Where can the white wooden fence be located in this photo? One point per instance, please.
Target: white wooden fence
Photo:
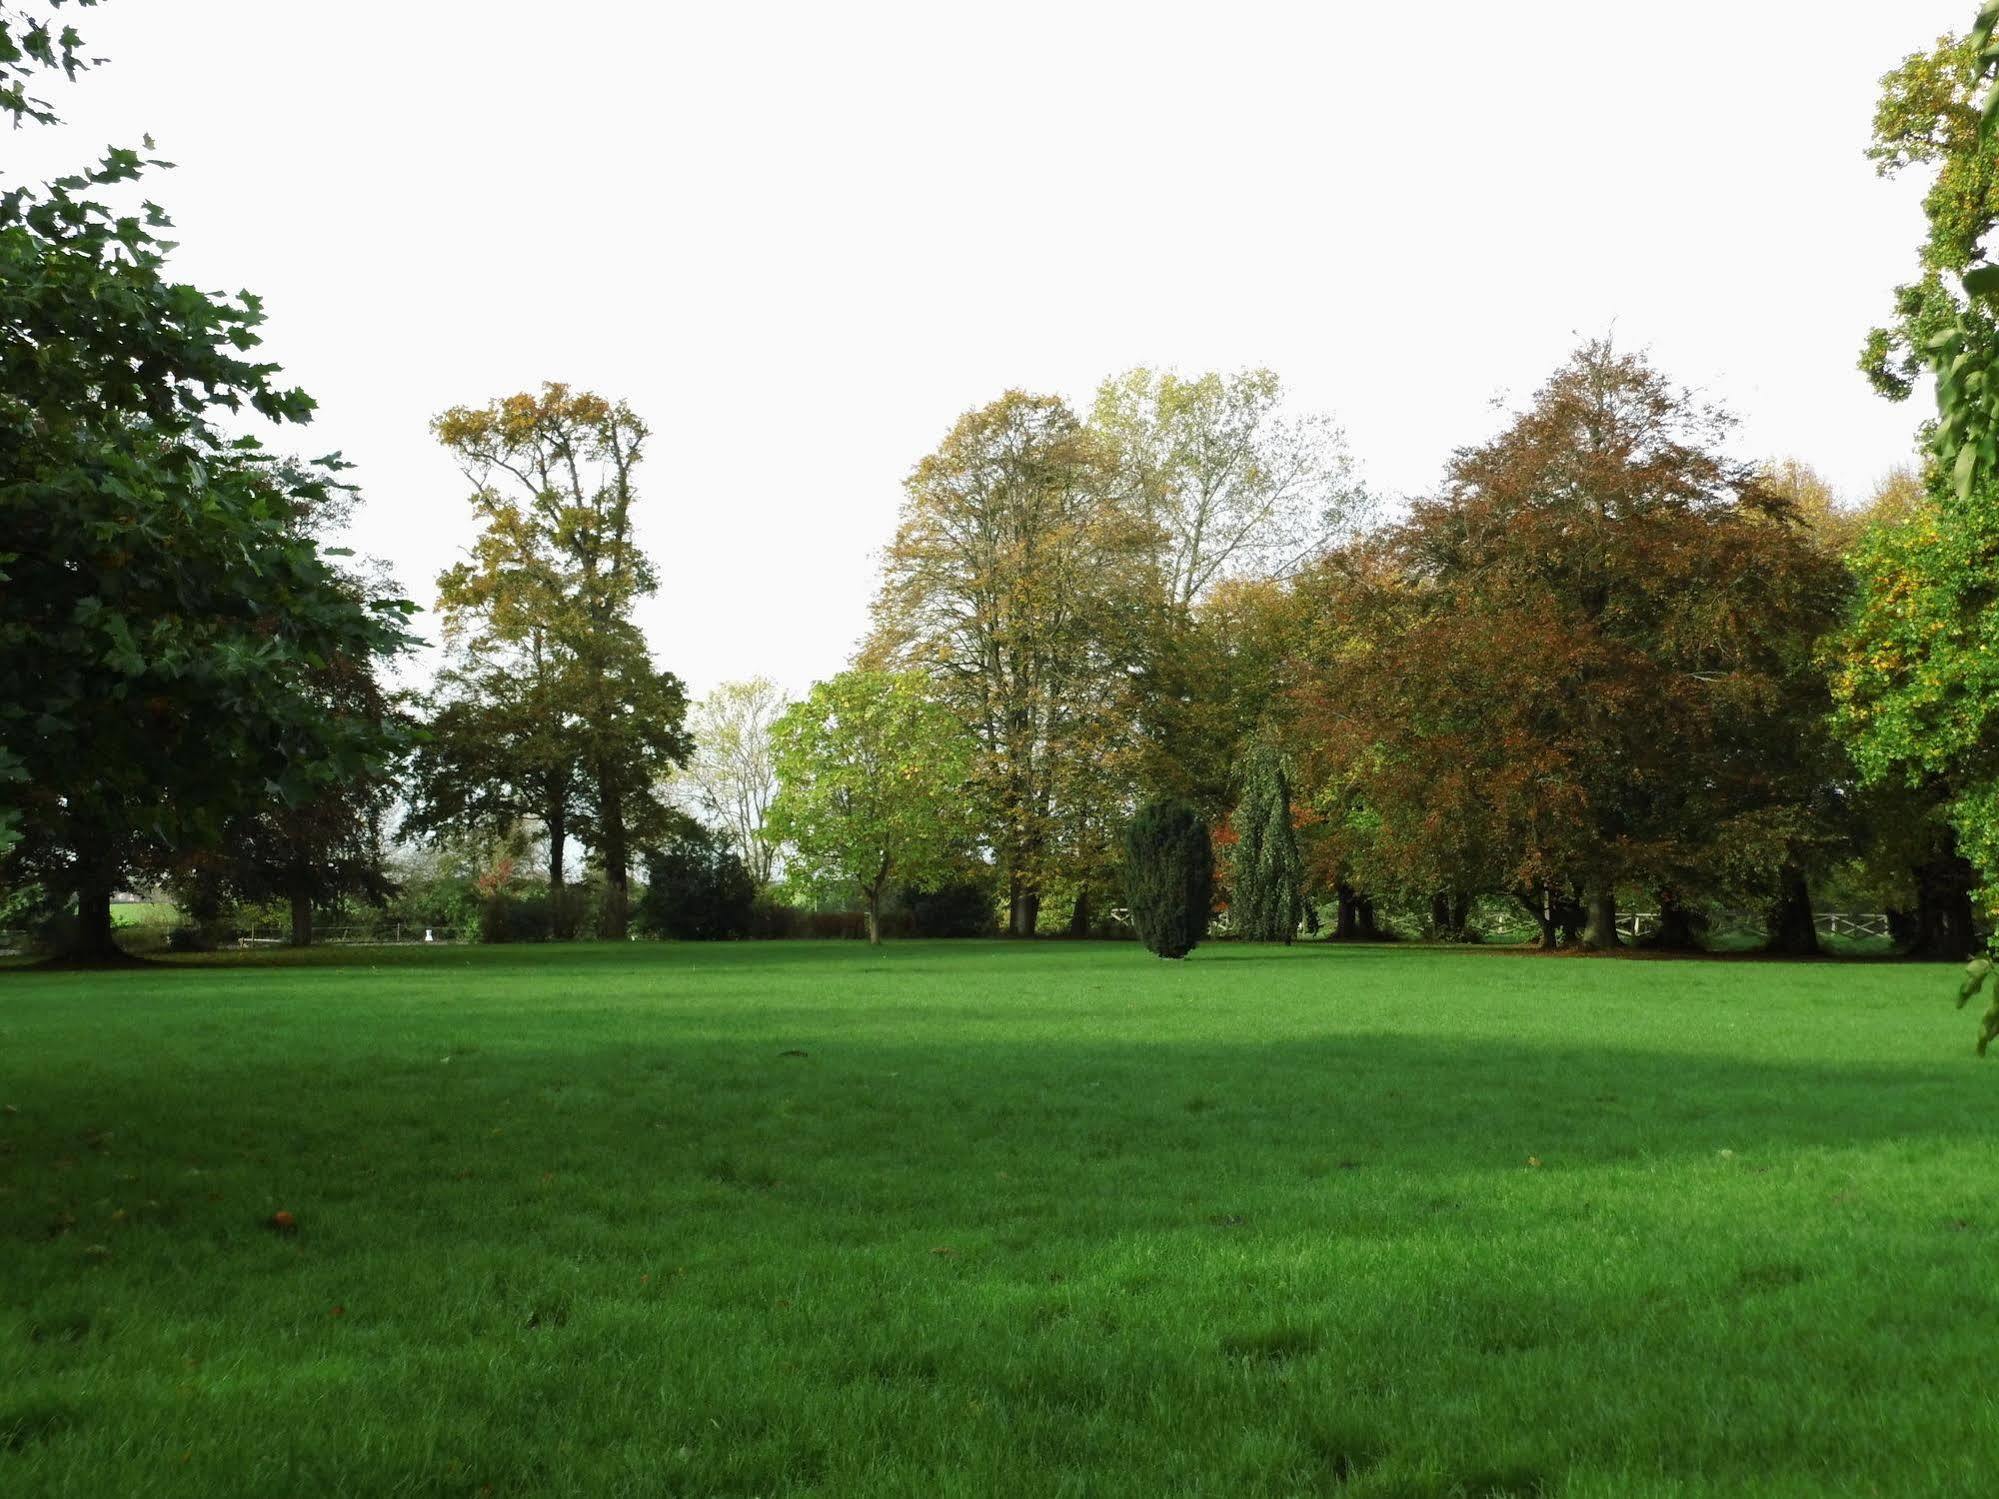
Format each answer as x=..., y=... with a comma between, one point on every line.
x=1850, y=924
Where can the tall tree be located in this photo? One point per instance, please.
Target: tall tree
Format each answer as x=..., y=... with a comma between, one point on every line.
x=1239, y=494
x=161, y=615
x=1589, y=661
x=1916, y=674
x=497, y=752
x=1210, y=684
x=731, y=775
x=873, y=778
x=549, y=589
x=1233, y=485
x=1017, y=582
x=329, y=846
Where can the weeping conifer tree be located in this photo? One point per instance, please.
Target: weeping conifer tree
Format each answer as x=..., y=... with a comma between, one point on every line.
x=1169, y=876
x=1266, y=874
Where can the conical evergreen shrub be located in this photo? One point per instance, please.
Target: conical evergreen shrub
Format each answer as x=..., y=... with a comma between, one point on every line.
x=1266, y=874
x=1169, y=876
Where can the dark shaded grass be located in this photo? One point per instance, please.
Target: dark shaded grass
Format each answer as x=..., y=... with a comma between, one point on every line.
x=1056, y=1220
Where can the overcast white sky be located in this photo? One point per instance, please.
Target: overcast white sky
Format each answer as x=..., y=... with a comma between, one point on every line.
x=802, y=238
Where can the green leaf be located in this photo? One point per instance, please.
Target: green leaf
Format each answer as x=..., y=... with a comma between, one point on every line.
x=1965, y=470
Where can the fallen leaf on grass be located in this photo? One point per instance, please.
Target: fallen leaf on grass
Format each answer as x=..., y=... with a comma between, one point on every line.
x=943, y=1252
x=282, y=1222
x=1533, y=1160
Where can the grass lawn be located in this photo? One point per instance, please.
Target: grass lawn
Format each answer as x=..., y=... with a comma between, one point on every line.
x=973, y=1219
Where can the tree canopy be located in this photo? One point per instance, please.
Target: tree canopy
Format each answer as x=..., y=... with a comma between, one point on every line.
x=162, y=619
x=874, y=774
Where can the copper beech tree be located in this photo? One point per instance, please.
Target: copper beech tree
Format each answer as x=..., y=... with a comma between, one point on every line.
x=1586, y=664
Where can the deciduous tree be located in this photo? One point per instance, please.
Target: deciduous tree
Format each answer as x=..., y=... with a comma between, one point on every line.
x=731, y=775
x=1587, y=664
x=1017, y=583
x=548, y=592
x=161, y=616
x=1916, y=676
x=873, y=776
x=1232, y=484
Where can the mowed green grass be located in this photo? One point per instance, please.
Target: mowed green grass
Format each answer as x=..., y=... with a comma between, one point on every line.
x=978, y=1219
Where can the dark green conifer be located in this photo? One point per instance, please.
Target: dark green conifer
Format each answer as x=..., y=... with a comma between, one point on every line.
x=1169, y=876
x=1266, y=874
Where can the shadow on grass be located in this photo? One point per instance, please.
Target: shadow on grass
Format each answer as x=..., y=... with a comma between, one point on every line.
x=820, y=1098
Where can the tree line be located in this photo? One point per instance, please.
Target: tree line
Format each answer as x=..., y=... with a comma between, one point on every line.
x=1605, y=663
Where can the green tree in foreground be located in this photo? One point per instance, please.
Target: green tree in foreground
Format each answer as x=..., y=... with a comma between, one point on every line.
x=161, y=616
x=1266, y=874
x=873, y=777
x=1169, y=877
x=1916, y=675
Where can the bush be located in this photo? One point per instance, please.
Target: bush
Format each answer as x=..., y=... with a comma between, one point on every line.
x=772, y=919
x=963, y=908
x=1169, y=876
x=851, y=926
x=697, y=890
x=510, y=917
x=434, y=901
x=191, y=939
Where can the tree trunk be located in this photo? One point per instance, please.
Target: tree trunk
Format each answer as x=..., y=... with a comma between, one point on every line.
x=1346, y=920
x=615, y=854
x=874, y=919
x=1540, y=904
x=1024, y=910
x=1569, y=917
x=1364, y=921
x=1945, y=926
x=301, y=920
x=1079, y=914
x=1903, y=929
x=557, y=818
x=1793, y=932
x=1450, y=915
x=1679, y=925
x=1600, y=930
x=93, y=943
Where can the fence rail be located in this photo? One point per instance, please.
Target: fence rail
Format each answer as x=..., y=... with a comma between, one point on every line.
x=1636, y=924
x=399, y=934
